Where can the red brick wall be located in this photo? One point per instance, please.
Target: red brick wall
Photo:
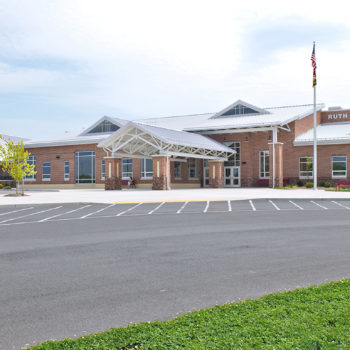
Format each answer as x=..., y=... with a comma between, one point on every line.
x=335, y=116
x=65, y=153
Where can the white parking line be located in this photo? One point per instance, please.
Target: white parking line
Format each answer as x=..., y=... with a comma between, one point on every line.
x=341, y=205
x=97, y=211
x=15, y=211
x=24, y=216
x=206, y=207
x=252, y=205
x=319, y=205
x=125, y=211
x=155, y=209
x=275, y=206
x=68, y=212
x=297, y=205
x=229, y=205
x=182, y=208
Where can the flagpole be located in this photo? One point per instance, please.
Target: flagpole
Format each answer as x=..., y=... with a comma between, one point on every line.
x=315, y=141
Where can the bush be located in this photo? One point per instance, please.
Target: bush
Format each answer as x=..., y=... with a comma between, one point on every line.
x=1, y=186
x=309, y=185
x=300, y=183
x=7, y=187
x=326, y=184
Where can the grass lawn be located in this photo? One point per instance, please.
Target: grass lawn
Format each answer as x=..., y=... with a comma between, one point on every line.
x=308, y=318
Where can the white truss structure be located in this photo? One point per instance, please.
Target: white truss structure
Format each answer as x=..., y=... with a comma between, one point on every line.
x=140, y=141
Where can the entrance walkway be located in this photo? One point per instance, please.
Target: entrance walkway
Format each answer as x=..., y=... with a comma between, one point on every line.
x=200, y=194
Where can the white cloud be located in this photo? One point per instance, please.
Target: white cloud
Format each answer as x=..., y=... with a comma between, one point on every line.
x=142, y=58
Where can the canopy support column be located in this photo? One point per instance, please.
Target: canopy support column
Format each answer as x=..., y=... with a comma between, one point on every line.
x=113, y=176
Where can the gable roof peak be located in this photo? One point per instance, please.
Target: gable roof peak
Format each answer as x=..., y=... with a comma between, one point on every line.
x=239, y=108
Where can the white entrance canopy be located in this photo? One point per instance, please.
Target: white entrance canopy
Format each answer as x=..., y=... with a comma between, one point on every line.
x=137, y=140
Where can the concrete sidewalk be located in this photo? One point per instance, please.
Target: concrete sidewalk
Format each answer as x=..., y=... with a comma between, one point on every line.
x=203, y=194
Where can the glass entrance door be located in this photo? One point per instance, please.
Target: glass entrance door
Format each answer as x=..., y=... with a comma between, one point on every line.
x=232, y=176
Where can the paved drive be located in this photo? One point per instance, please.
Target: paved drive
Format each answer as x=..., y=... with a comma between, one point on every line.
x=74, y=269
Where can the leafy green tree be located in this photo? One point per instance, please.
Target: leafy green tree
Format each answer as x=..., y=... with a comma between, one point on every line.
x=14, y=160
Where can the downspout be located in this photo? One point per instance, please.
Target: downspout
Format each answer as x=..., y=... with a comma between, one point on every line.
x=274, y=140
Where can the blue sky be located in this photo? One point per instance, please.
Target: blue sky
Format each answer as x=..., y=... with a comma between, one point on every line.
x=64, y=64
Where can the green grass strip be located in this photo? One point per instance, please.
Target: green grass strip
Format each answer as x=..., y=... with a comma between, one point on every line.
x=317, y=317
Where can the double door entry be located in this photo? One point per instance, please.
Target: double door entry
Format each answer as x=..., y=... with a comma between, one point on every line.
x=232, y=177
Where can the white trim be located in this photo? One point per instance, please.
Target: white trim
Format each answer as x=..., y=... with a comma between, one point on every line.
x=111, y=120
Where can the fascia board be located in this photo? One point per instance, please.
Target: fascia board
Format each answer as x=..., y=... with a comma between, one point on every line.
x=62, y=143
x=320, y=142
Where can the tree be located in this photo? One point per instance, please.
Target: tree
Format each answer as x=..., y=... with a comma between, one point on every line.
x=14, y=160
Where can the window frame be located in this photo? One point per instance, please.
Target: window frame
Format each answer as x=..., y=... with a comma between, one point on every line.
x=92, y=156
x=177, y=176
x=66, y=175
x=31, y=160
x=346, y=168
x=126, y=175
x=46, y=165
x=312, y=171
x=103, y=169
x=189, y=167
x=144, y=173
x=264, y=172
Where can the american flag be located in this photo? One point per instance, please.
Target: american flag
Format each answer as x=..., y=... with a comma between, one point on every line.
x=313, y=61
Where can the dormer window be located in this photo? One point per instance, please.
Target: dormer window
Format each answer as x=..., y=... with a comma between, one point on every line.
x=240, y=110
x=104, y=126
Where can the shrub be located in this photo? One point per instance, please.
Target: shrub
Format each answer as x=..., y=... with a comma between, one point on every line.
x=309, y=184
x=327, y=184
x=300, y=183
x=7, y=187
x=1, y=186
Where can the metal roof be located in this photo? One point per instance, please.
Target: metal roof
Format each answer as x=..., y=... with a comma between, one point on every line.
x=200, y=122
x=150, y=140
x=327, y=134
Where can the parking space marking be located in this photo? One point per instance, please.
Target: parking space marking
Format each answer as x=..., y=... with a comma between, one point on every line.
x=341, y=205
x=67, y=212
x=229, y=205
x=252, y=205
x=155, y=209
x=24, y=216
x=16, y=211
x=206, y=207
x=182, y=208
x=97, y=211
x=127, y=210
x=319, y=205
x=297, y=205
x=275, y=206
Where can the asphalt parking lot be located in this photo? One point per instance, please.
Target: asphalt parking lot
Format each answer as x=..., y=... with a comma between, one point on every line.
x=12, y=215
x=67, y=270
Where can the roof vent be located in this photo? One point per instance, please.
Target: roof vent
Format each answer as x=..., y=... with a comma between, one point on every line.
x=335, y=108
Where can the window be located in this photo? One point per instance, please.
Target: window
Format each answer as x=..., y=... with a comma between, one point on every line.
x=192, y=168
x=264, y=164
x=46, y=171
x=85, y=167
x=234, y=159
x=31, y=160
x=305, y=167
x=239, y=110
x=339, y=167
x=146, y=168
x=177, y=170
x=103, y=169
x=127, y=168
x=105, y=126
x=66, y=171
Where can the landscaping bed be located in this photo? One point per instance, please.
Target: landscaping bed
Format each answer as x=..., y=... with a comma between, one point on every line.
x=308, y=318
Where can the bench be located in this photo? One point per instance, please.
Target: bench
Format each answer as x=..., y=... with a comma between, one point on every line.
x=342, y=184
